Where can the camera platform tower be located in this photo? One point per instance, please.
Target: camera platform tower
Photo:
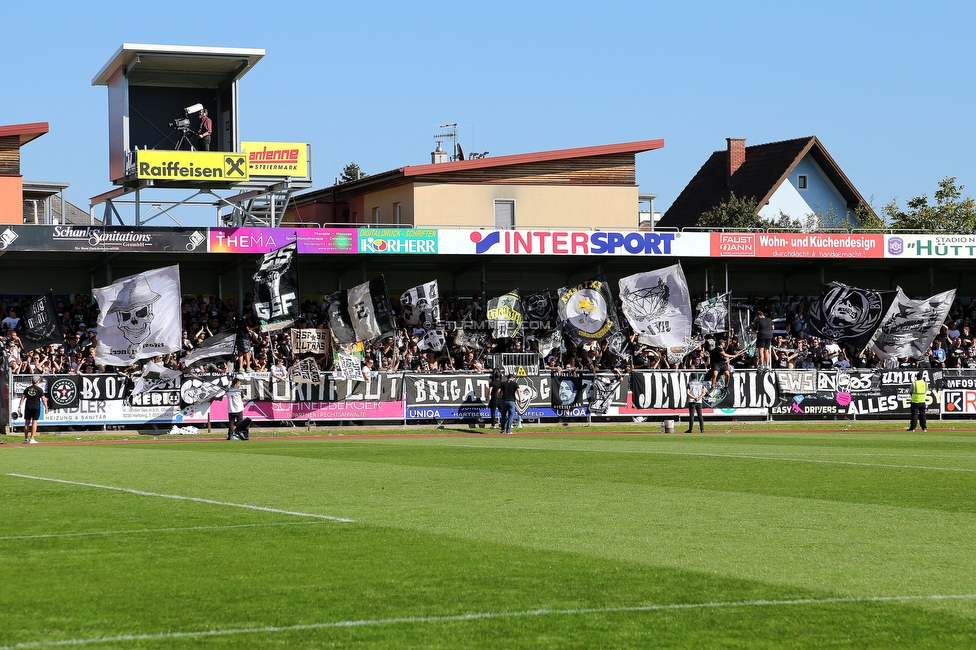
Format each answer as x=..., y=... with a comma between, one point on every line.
x=154, y=95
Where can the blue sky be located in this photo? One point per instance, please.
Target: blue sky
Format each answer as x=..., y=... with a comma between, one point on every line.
x=888, y=87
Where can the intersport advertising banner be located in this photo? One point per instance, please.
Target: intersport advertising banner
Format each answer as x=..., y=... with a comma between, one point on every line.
x=573, y=242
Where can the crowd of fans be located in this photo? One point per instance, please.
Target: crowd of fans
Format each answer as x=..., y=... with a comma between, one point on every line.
x=792, y=347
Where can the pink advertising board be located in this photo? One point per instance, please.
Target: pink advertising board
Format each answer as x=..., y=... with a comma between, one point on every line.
x=264, y=240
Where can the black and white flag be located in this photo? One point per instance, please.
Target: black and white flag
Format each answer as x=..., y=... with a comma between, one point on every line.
x=41, y=323
x=550, y=341
x=276, y=292
x=658, y=306
x=566, y=390
x=421, y=304
x=505, y=315
x=219, y=347
x=910, y=326
x=586, y=311
x=538, y=310
x=156, y=377
x=203, y=388
x=337, y=309
x=370, y=311
x=846, y=313
x=469, y=338
x=741, y=324
x=713, y=314
x=603, y=390
x=305, y=371
x=139, y=317
x=432, y=340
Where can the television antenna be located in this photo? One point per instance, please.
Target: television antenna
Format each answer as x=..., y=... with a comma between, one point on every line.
x=449, y=131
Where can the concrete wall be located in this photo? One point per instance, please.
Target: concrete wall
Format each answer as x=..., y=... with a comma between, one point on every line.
x=473, y=206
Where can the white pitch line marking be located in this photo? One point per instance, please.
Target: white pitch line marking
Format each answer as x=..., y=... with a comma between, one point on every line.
x=183, y=498
x=140, y=531
x=483, y=616
x=732, y=456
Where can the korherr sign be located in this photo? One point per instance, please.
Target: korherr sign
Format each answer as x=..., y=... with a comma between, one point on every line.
x=192, y=166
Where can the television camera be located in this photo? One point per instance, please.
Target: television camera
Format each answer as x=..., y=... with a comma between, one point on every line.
x=182, y=124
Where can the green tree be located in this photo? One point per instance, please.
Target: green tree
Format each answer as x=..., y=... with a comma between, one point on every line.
x=351, y=172
x=734, y=213
x=952, y=213
x=743, y=213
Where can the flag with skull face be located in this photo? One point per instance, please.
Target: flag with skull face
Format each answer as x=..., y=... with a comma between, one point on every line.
x=139, y=317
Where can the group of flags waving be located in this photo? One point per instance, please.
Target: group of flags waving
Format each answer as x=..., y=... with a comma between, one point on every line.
x=140, y=316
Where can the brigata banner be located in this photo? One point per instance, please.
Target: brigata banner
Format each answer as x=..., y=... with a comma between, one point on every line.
x=277, y=159
x=573, y=242
x=191, y=166
x=796, y=245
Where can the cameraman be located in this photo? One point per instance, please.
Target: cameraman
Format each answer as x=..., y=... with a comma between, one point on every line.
x=205, y=130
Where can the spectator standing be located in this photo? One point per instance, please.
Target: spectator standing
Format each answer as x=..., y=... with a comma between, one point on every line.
x=695, y=392
x=507, y=393
x=235, y=408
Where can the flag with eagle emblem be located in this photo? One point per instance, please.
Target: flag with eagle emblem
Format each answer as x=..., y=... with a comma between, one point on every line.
x=658, y=306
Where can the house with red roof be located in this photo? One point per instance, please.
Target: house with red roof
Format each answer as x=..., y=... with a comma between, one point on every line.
x=796, y=178
x=587, y=187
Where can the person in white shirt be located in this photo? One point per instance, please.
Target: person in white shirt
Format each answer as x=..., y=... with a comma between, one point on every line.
x=235, y=408
x=696, y=391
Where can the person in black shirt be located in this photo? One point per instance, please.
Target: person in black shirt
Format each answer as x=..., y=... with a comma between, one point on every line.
x=763, y=327
x=33, y=396
x=507, y=393
x=493, y=386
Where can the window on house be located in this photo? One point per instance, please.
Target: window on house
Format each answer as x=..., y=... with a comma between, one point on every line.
x=504, y=215
x=801, y=181
x=398, y=213
x=376, y=215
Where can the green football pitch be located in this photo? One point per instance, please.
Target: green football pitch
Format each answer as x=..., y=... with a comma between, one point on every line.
x=764, y=539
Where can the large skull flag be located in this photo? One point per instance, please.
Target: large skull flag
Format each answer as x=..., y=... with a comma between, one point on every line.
x=139, y=317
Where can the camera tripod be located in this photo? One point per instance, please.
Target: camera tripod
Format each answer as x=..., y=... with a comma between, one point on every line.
x=185, y=138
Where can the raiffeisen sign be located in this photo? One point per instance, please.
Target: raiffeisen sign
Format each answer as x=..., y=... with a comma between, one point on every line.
x=572, y=242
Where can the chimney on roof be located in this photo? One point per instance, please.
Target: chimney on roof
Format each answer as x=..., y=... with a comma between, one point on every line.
x=438, y=155
x=737, y=154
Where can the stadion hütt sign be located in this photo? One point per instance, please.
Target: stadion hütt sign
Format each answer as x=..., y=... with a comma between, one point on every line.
x=192, y=166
